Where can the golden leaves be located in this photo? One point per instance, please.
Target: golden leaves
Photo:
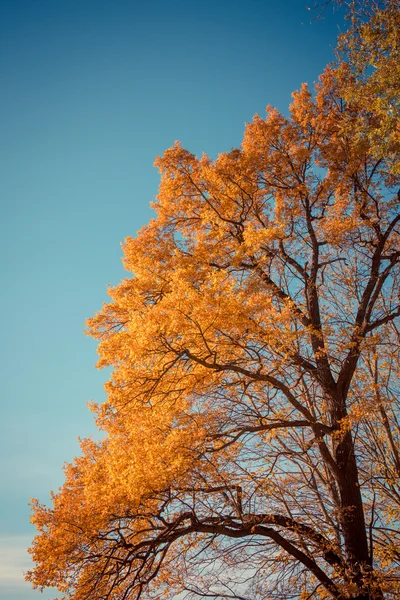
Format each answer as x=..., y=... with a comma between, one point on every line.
x=243, y=389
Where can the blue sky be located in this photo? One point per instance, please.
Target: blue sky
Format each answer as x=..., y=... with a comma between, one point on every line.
x=91, y=92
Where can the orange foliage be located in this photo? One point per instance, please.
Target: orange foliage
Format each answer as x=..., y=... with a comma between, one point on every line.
x=252, y=418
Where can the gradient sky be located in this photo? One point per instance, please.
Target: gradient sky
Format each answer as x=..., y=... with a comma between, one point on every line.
x=91, y=92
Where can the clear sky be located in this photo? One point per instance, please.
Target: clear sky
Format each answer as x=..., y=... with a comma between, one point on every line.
x=91, y=92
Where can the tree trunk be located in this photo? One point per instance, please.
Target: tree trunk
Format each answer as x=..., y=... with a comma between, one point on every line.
x=352, y=511
x=352, y=517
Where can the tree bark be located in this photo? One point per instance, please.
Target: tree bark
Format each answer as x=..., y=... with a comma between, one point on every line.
x=352, y=511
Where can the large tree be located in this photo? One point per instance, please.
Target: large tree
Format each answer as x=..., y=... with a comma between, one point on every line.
x=252, y=419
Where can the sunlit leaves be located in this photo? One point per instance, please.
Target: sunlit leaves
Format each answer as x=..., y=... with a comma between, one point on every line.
x=251, y=428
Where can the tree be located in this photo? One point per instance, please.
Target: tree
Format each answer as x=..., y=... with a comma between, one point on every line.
x=369, y=53
x=252, y=419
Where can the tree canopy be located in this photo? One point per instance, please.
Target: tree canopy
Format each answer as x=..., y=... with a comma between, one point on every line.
x=252, y=433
